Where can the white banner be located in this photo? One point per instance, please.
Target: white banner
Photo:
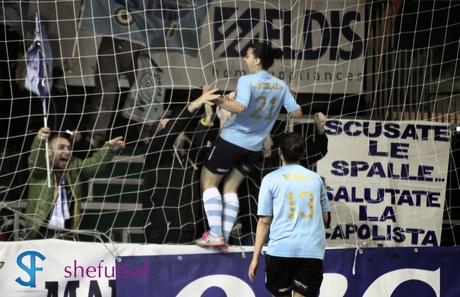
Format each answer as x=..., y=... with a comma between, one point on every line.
x=386, y=182
x=65, y=268
x=52, y=267
x=322, y=42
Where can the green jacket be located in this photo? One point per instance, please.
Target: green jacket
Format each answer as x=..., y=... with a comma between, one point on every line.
x=41, y=198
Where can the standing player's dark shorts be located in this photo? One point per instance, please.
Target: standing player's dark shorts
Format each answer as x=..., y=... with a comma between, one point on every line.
x=303, y=275
x=225, y=156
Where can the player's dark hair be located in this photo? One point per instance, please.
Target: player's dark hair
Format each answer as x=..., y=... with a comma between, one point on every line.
x=292, y=147
x=266, y=54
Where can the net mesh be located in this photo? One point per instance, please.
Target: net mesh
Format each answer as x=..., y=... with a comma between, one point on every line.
x=118, y=67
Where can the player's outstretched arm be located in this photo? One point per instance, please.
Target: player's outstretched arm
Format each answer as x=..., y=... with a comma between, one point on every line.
x=228, y=103
x=207, y=97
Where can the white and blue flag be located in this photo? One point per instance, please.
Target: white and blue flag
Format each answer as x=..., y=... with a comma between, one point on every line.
x=39, y=63
x=159, y=25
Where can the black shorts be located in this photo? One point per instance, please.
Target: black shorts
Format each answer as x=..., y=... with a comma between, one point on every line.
x=224, y=156
x=303, y=275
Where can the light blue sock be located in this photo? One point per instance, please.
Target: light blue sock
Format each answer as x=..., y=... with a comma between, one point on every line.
x=212, y=202
x=231, y=208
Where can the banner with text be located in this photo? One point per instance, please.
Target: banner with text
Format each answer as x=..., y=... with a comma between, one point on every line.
x=323, y=44
x=65, y=268
x=386, y=182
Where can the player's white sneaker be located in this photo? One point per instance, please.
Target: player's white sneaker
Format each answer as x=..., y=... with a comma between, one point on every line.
x=210, y=240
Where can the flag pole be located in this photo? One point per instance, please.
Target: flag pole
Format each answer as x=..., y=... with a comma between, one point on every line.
x=45, y=109
x=37, y=80
x=45, y=124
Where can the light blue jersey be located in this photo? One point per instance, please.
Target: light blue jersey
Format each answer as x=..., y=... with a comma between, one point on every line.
x=263, y=95
x=296, y=198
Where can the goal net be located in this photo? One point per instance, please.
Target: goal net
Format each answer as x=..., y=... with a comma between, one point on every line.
x=385, y=73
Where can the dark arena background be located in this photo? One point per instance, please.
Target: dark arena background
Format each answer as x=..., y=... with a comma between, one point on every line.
x=386, y=74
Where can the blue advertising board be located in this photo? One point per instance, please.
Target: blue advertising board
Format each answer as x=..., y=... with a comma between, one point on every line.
x=386, y=272
x=211, y=275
